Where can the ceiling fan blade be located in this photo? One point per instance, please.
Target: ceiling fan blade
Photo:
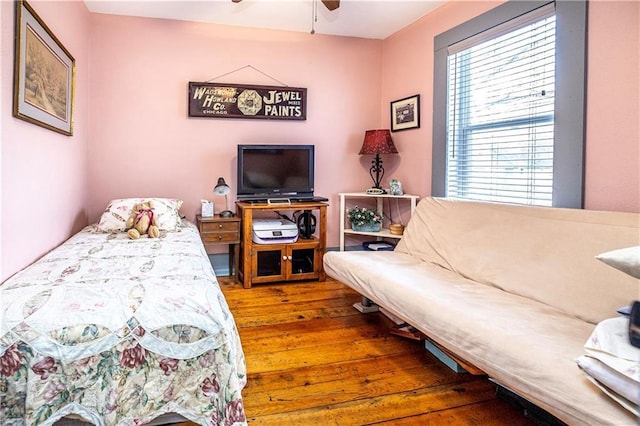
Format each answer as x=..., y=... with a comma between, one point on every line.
x=331, y=4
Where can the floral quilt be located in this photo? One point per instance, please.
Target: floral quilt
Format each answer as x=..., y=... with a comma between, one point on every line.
x=118, y=332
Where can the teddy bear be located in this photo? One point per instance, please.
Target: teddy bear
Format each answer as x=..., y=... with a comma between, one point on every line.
x=142, y=221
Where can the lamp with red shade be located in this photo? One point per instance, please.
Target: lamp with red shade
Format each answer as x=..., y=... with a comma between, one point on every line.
x=377, y=142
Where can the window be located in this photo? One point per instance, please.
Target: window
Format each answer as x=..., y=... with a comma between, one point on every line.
x=500, y=115
x=508, y=112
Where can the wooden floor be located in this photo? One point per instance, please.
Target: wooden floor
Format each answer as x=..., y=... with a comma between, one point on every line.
x=313, y=359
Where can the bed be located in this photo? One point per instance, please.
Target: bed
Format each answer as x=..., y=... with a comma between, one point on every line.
x=115, y=331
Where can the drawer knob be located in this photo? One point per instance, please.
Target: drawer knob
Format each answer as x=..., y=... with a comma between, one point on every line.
x=219, y=237
x=220, y=226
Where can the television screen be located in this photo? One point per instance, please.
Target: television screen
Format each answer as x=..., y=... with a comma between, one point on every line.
x=275, y=171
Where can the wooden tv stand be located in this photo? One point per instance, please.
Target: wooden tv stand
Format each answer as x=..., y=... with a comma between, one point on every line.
x=300, y=260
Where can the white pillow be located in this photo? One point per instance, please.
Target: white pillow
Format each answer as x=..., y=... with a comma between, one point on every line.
x=166, y=211
x=626, y=260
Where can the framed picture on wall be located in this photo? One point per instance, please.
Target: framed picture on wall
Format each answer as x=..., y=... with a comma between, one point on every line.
x=44, y=72
x=405, y=113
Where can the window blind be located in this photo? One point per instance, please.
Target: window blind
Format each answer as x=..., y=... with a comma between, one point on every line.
x=500, y=129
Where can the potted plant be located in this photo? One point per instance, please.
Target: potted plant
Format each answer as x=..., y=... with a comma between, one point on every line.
x=364, y=220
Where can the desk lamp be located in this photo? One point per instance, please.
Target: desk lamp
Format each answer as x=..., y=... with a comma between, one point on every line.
x=377, y=142
x=222, y=188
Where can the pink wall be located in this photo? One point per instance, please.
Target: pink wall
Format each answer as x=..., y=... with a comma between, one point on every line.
x=143, y=143
x=613, y=107
x=612, y=180
x=408, y=70
x=44, y=174
x=133, y=137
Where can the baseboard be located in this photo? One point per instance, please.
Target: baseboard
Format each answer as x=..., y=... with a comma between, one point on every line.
x=220, y=264
x=443, y=357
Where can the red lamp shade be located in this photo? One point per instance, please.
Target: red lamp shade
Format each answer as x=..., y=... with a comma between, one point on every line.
x=378, y=142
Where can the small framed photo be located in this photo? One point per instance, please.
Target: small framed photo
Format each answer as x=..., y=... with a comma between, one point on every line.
x=405, y=113
x=44, y=72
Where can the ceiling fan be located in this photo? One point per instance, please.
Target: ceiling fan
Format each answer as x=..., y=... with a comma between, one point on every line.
x=329, y=4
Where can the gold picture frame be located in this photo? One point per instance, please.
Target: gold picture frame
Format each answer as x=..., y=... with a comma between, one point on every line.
x=44, y=74
x=405, y=113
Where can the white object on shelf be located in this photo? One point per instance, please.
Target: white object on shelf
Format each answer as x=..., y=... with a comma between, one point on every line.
x=207, y=208
x=379, y=246
x=384, y=232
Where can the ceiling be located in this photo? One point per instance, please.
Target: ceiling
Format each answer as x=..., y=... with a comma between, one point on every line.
x=376, y=19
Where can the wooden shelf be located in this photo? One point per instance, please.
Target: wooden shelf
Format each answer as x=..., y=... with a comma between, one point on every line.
x=383, y=233
x=262, y=263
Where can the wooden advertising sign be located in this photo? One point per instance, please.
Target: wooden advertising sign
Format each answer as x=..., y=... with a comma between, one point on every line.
x=219, y=100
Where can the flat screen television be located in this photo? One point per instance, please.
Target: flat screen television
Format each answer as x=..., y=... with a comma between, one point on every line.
x=269, y=172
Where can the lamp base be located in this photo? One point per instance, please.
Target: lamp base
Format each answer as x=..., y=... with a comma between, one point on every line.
x=376, y=191
x=226, y=213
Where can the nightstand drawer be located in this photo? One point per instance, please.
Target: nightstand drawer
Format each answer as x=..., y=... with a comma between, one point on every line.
x=220, y=237
x=206, y=227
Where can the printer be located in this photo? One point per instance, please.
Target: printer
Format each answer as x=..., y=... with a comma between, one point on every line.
x=274, y=231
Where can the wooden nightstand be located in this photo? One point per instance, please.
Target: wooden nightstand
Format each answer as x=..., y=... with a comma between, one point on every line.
x=221, y=230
